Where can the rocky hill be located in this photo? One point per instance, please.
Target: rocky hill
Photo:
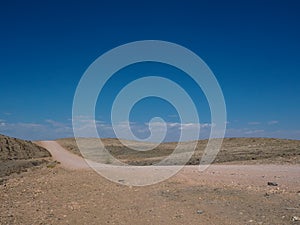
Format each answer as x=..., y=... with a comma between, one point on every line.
x=17, y=155
x=17, y=149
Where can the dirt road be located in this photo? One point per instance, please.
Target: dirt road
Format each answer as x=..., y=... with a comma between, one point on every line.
x=67, y=159
x=287, y=175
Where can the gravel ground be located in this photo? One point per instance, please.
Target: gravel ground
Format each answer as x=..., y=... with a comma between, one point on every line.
x=223, y=194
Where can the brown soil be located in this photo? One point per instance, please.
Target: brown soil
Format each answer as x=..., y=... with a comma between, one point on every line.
x=72, y=193
x=231, y=194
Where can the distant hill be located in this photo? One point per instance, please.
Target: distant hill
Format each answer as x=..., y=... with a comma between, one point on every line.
x=17, y=155
x=234, y=150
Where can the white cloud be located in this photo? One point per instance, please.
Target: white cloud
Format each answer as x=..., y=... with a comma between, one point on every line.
x=2, y=123
x=28, y=125
x=180, y=126
x=54, y=123
x=7, y=113
x=253, y=131
x=246, y=132
x=254, y=123
x=273, y=122
x=35, y=131
x=52, y=129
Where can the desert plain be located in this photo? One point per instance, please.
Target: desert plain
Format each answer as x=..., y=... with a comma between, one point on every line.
x=252, y=181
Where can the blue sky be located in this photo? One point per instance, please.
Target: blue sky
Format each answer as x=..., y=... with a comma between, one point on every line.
x=252, y=47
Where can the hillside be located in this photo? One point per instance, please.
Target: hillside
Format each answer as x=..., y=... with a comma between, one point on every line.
x=17, y=155
x=241, y=150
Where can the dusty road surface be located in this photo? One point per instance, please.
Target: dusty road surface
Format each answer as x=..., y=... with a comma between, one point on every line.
x=67, y=159
x=224, y=194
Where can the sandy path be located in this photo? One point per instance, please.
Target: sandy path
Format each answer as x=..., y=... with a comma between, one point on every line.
x=287, y=176
x=66, y=158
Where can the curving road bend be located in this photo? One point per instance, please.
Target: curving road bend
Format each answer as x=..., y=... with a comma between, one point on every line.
x=66, y=158
x=287, y=175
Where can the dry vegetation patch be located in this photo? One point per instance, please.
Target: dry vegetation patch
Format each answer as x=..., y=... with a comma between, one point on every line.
x=241, y=150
